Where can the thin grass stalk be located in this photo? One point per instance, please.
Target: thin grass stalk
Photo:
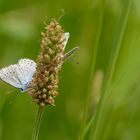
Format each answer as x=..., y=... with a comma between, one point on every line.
x=91, y=75
x=94, y=135
x=37, y=123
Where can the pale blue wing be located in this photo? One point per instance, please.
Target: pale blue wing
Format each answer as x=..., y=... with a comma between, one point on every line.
x=25, y=70
x=20, y=74
x=9, y=75
x=66, y=39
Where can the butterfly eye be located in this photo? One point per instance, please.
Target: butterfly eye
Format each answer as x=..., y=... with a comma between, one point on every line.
x=21, y=89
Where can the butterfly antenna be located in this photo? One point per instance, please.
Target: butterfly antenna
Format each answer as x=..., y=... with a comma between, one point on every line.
x=70, y=53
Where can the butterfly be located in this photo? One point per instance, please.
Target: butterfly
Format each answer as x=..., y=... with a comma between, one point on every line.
x=21, y=74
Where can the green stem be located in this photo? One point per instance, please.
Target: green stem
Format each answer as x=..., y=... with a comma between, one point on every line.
x=91, y=74
x=96, y=130
x=37, y=123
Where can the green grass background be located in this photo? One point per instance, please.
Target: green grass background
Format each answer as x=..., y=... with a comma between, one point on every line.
x=99, y=87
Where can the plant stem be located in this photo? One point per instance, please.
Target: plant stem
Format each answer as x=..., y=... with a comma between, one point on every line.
x=92, y=71
x=37, y=123
x=122, y=25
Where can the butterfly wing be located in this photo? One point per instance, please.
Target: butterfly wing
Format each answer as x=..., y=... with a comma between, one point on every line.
x=26, y=70
x=66, y=39
x=20, y=74
x=9, y=75
x=72, y=51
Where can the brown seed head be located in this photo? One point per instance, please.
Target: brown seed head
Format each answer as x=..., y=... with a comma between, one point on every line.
x=44, y=86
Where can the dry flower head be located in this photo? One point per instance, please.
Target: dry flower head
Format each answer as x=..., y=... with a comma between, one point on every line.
x=44, y=86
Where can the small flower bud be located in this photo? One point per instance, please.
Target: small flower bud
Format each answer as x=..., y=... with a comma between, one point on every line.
x=44, y=90
x=47, y=58
x=44, y=96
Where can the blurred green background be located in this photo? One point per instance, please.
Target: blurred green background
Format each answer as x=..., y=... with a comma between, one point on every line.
x=106, y=69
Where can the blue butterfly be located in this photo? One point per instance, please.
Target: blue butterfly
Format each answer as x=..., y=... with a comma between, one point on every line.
x=21, y=74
